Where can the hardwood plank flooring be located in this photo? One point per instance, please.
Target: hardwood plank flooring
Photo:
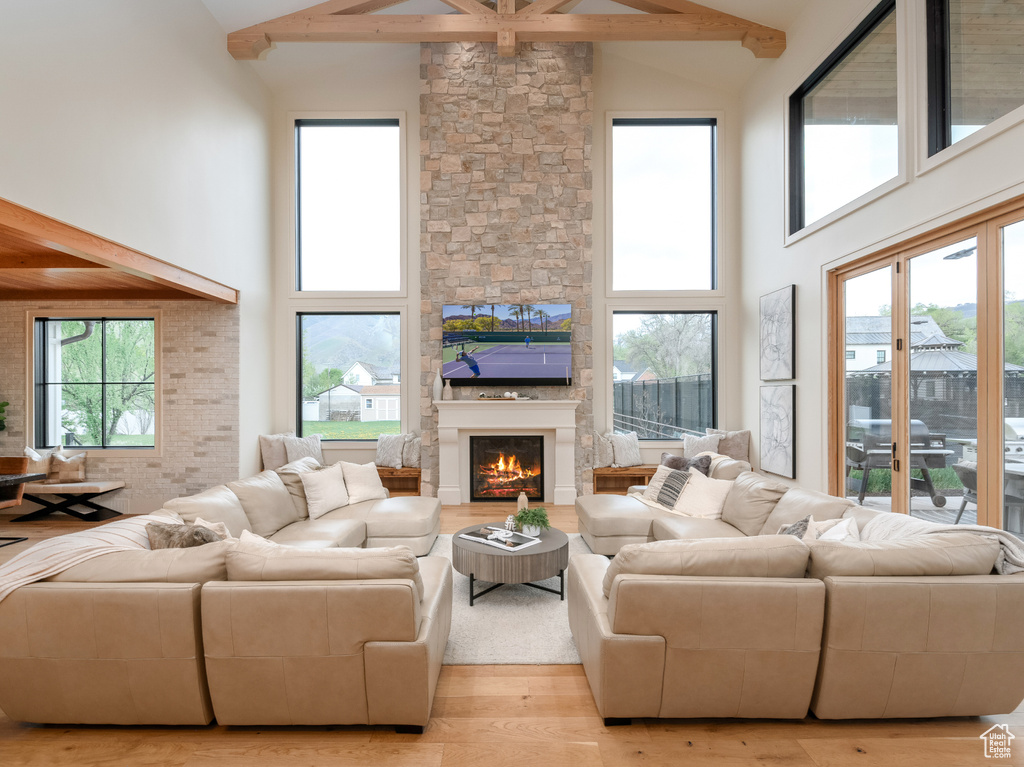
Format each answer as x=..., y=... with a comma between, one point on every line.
x=501, y=715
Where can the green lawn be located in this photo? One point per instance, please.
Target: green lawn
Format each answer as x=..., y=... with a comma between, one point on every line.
x=880, y=480
x=351, y=429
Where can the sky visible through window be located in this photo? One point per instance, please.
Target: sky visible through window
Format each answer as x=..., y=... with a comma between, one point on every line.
x=662, y=207
x=350, y=208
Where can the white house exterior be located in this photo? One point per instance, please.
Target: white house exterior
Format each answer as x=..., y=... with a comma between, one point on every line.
x=380, y=403
x=366, y=374
x=869, y=339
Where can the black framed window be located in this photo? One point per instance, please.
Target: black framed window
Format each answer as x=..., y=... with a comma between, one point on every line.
x=664, y=181
x=95, y=382
x=348, y=205
x=975, y=60
x=667, y=382
x=843, y=126
x=349, y=374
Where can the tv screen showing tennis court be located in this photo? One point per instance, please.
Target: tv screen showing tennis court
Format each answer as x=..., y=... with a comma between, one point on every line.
x=499, y=343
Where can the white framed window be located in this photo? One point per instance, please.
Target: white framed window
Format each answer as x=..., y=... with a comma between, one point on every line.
x=95, y=381
x=851, y=354
x=349, y=205
x=664, y=204
x=342, y=355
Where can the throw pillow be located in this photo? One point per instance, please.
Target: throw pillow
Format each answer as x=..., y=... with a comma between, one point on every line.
x=325, y=490
x=290, y=474
x=625, y=449
x=672, y=487
x=735, y=444
x=303, y=447
x=272, y=450
x=694, y=445
x=799, y=528
x=703, y=496
x=701, y=463
x=163, y=536
x=66, y=469
x=389, y=450
x=656, y=483
x=846, y=530
x=218, y=504
x=266, y=501
x=38, y=463
x=603, y=455
x=218, y=527
x=411, y=452
x=363, y=482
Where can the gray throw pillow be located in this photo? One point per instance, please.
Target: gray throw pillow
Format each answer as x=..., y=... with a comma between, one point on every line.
x=700, y=463
x=735, y=444
x=694, y=445
x=799, y=529
x=163, y=536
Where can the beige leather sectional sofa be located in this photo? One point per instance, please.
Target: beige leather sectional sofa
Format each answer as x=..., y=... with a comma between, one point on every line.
x=248, y=632
x=724, y=618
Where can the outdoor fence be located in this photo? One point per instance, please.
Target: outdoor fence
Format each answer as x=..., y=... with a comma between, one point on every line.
x=664, y=408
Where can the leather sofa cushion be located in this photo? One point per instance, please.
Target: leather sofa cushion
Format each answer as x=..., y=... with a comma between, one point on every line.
x=322, y=533
x=861, y=515
x=727, y=468
x=290, y=476
x=218, y=504
x=750, y=557
x=690, y=528
x=266, y=502
x=261, y=560
x=751, y=501
x=799, y=502
x=605, y=515
x=934, y=554
x=198, y=564
x=404, y=516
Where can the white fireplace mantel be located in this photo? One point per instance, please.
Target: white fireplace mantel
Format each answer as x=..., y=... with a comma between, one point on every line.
x=457, y=420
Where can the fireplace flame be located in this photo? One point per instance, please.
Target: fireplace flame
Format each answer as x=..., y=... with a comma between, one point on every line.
x=505, y=470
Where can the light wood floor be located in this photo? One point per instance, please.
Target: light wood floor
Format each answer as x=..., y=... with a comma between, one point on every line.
x=526, y=716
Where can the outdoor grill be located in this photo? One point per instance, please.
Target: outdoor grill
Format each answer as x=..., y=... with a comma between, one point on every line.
x=869, y=446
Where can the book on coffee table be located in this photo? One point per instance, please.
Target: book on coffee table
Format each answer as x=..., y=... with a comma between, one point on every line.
x=513, y=542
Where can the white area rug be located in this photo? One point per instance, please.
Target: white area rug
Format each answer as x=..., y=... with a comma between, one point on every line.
x=513, y=624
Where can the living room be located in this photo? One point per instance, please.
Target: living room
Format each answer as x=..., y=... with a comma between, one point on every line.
x=132, y=121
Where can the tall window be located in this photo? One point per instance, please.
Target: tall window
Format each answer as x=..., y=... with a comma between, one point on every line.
x=349, y=383
x=975, y=58
x=663, y=204
x=664, y=378
x=349, y=204
x=843, y=122
x=95, y=382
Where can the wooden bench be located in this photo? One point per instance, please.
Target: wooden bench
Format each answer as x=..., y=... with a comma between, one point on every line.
x=617, y=480
x=70, y=494
x=404, y=481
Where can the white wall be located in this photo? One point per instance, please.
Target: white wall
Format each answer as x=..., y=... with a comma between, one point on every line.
x=129, y=119
x=989, y=172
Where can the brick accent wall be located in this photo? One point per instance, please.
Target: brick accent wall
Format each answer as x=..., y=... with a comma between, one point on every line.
x=506, y=204
x=198, y=431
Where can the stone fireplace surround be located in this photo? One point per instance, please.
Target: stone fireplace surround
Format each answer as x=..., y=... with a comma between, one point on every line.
x=555, y=420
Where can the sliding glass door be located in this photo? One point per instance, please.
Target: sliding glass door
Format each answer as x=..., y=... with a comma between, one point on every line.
x=867, y=377
x=926, y=370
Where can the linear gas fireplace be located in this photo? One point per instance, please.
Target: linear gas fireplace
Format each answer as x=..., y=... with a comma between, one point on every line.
x=503, y=467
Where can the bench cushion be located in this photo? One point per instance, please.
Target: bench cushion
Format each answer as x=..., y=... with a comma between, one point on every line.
x=71, y=488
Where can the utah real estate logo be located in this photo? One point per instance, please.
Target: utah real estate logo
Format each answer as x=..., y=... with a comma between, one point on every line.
x=997, y=741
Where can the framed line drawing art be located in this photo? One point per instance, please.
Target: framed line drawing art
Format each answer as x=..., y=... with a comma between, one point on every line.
x=778, y=334
x=778, y=430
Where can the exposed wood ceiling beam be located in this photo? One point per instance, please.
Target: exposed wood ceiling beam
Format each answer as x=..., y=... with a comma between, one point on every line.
x=46, y=260
x=39, y=231
x=351, y=21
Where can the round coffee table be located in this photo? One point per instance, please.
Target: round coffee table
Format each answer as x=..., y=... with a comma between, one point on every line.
x=538, y=562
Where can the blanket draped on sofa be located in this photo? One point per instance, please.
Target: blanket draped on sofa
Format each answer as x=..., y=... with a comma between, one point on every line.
x=55, y=555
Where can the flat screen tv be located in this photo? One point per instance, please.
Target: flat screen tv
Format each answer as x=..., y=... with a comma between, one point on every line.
x=507, y=344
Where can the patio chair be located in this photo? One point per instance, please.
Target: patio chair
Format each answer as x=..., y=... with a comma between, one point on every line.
x=968, y=476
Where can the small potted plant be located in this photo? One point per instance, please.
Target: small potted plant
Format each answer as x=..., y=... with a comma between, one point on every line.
x=532, y=521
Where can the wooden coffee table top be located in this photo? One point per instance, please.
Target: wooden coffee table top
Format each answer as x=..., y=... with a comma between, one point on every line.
x=534, y=563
